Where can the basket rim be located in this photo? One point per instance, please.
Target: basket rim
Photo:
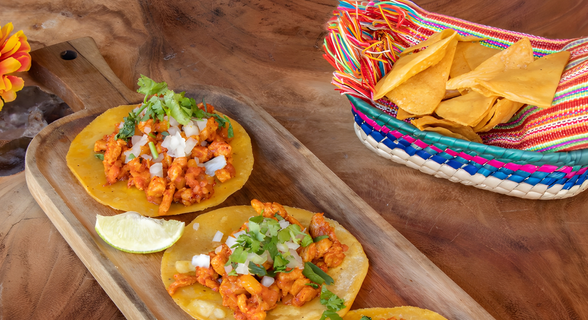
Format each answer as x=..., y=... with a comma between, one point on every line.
x=571, y=158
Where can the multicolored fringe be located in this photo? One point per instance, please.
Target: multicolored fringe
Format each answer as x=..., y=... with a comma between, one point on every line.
x=365, y=39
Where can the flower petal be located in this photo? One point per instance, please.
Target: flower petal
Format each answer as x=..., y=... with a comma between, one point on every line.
x=25, y=61
x=5, y=31
x=17, y=83
x=24, y=43
x=9, y=65
x=8, y=46
x=8, y=96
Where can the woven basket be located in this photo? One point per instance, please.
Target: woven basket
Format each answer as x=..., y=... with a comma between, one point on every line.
x=538, y=154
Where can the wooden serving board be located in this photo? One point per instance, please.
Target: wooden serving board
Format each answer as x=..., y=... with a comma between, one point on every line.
x=285, y=171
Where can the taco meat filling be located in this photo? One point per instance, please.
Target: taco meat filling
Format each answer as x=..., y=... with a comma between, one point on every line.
x=271, y=258
x=169, y=161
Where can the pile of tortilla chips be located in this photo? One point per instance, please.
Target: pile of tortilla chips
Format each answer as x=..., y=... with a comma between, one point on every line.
x=457, y=87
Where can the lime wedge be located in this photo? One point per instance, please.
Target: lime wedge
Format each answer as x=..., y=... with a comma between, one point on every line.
x=134, y=233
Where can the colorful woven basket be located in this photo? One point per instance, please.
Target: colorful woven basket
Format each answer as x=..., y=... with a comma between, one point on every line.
x=538, y=154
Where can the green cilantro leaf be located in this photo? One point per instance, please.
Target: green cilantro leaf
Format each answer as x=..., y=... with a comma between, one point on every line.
x=319, y=238
x=365, y=318
x=149, y=87
x=329, y=314
x=306, y=241
x=331, y=300
x=257, y=270
x=99, y=156
x=311, y=270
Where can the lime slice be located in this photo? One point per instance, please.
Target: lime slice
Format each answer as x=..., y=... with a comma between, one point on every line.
x=134, y=233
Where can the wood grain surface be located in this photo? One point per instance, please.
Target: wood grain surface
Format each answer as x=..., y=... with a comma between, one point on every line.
x=519, y=259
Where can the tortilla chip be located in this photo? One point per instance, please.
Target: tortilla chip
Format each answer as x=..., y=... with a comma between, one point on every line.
x=475, y=54
x=447, y=128
x=203, y=303
x=535, y=85
x=434, y=38
x=501, y=112
x=471, y=39
x=90, y=171
x=409, y=65
x=422, y=93
x=467, y=110
x=404, y=313
x=517, y=56
x=451, y=94
x=403, y=115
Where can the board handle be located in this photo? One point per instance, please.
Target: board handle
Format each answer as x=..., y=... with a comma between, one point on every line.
x=76, y=72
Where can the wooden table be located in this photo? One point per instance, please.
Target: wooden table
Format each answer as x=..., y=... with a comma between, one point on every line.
x=519, y=259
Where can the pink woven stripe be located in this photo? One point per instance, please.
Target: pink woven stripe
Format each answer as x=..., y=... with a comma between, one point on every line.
x=435, y=148
x=466, y=156
x=512, y=166
x=581, y=171
x=409, y=138
x=547, y=168
x=480, y=160
x=528, y=168
x=496, y=163
x=421, y=144
x=451, y=152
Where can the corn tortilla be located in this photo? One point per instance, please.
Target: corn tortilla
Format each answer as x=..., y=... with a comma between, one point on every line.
x=400, y=313
x=204, y=304
x=90, y=171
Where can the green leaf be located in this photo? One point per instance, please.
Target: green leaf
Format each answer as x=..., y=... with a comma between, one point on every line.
x=319, y=272
x=99, y=156
x=319, y=238
x=331, y=300
x=306, y=241
x=131, y=157
x=272, y=248
x=365, y=318
x=280, y=262
x=314, y=285
x=238, y=256
x=311, y=275
x=257, y=270
x=329, y=314
x=257, y=219
x=279, y=217
x=128, y=129
x=149, y=87
x=171, y=100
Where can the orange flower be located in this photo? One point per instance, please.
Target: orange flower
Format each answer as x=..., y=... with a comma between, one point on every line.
x=14, y=57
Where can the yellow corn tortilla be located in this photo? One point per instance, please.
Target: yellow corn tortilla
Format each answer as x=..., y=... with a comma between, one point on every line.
x=468, y=56
x=202, y=303
x=467, y=110
x=409, y=65
x=535, y=85
x=501, y=112
x=90, y=171
x=517, y=56
x=400, y=313
x=421, y=94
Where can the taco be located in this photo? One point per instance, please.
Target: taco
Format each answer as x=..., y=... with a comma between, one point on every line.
x=232, y=281
x=398, y=313
x=166, y=156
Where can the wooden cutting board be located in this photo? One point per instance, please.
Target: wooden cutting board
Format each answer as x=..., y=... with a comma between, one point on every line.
x=285, y=171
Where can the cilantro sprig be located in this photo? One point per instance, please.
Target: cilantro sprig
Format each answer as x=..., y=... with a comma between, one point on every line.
x=159, y=101
x=333, y=304
x=365, y=318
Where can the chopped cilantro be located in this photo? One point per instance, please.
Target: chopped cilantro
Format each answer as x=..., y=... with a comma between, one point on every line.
x=333, y=304
x=257, y=270
x=365, y=318
x=99, y=156
x=319, y=238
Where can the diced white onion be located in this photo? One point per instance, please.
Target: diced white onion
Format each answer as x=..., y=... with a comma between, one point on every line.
x=172, y=121
x=156, y=170
x=267, y=281
x=295, y=260
x=159, y=158
x=282, y=247
x=172, y=130
x=255, y=258
x=242, y=268
x=147, y=129
x=218, y=249
x=237, y=234
x=196, y=225
x=204, y=143
x=121, y=125
x=175, y=144
x=201, y=260
x=214, y=164
x=228, y=268
x=218, y=236
x=135, y=139
x=292, y=245
x=183, y=266
x=128, y=154
x=201, y=123
x=230, y=242
x=191, y=129
x=190, y=144
x=283, y=224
